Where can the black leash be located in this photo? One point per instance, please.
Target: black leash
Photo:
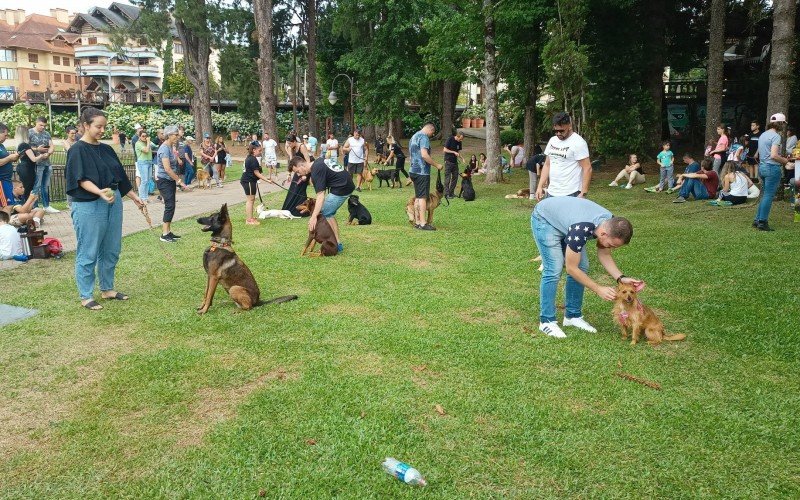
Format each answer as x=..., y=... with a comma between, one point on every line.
x=440, y=186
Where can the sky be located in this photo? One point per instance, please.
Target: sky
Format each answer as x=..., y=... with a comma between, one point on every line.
x=44, y=6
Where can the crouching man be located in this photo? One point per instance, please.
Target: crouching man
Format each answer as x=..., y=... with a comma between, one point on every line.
x=22, y=213
x=563, y=227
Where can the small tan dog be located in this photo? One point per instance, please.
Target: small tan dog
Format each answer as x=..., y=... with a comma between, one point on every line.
x=629, y=312
x=203, y=179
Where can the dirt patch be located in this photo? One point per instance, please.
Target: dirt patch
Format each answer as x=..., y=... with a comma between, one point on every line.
x=489, y=315
x=365, y=363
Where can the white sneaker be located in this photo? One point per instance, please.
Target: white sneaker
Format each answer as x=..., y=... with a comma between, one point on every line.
x=50, y=210
x=531, y=196
x=552, y=330
x=579, y=323
x=628, y=186
x=613, y=184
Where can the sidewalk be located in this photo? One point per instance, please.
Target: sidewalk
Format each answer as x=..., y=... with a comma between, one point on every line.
x=188, y=204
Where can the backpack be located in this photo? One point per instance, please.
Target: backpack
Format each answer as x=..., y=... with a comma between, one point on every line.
x=54, y=246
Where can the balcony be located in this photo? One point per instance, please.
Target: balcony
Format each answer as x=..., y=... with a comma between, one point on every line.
x=126, y=70
x=82, y=51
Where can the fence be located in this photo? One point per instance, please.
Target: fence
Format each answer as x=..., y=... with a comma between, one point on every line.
x=58, y=162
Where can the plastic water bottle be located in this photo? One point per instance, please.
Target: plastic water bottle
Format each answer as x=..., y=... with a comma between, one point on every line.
x=403, y=472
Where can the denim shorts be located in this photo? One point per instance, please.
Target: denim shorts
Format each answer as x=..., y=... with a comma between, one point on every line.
x=332, y=204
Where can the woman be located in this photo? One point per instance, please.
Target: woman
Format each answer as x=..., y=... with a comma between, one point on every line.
x=723, y=143
x=296, y=194
x=168, y=181
x=517, y=155
x=482, y=159
x=6, y=167
x=632, y=171
x=473, y=164
x=396, y=154
x=70, y=140
x=144, y=164
x=250, y=176
x=208, y=157
x=735, y=186
x=26, y=170
x=220, y=155
x=96, y=181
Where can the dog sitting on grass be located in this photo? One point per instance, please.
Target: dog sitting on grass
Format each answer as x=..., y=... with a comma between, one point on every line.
x=359, y=215
x=322, y=234
x=629, y=312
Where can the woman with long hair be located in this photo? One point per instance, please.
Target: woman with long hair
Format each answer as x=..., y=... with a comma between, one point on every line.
x=26, y=169
x=632, y=173
x=249, y=181
x=396, y=154
x=720, y=152
x=220, y=155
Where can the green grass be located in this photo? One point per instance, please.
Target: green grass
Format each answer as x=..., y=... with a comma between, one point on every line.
x=147, y=399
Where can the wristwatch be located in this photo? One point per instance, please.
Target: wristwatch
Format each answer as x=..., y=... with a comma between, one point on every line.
x=620, y=277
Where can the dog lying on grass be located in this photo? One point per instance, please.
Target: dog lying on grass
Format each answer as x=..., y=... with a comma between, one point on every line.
x=322, y=233
x=521, y=194
x=264, y=213
x=359, y=215
x=629, y=312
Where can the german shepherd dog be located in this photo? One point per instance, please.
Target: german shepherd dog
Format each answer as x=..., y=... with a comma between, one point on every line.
x=222, y=265
x=359, y=215
x=631, y=313
x=434, y=199
x=322, y=234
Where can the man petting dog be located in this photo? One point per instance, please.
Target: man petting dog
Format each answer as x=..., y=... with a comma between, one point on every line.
x=562, y=227
x=420, y=148
x=323, y=177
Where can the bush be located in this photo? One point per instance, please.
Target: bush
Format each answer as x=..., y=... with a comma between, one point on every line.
x=510, y=136
x=413, y=122
x=21, y=114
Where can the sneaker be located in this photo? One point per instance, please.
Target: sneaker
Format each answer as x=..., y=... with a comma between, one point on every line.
x=167, y=238
x=174, y=236
x=679, y=199
x=552, y=330
x=427, y=227
x=628, y=186
x=653, y=189
x=763, y=226
x=340, y=247
x=409, y=182
x=755, y=223
x=532, y=197
x=50, y=210
x=358, y=189
x=579, y=322
x=613, y=184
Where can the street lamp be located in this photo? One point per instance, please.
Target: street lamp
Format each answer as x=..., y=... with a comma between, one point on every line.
x=80, y=89
x=332, y=98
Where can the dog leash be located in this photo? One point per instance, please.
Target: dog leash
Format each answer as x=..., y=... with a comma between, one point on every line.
x=168, y=255
x=439, y=184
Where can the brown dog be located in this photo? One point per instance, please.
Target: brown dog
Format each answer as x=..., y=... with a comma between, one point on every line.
x=368, y=177
x=203, y=179
x=322, y=234
x=629, y=312
x=434, y=199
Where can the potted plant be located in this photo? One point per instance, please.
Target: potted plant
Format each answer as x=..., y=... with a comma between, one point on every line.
x=466, y=118
x=479, y=112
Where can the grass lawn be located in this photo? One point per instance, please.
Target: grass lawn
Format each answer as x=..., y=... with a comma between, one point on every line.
x=305, y=399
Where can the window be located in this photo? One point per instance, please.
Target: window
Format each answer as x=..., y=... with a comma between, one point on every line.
x=144, y=61
x=58, y=43
x=8, y=74
x=34, y=76
x=92, y=40
x=56, y=60
x=67, y=78
x=65, y=61
x=57, y=77
x=8, y=55
x=93, y=60
x=178, y=48
x=33, y=58
x=120, y=60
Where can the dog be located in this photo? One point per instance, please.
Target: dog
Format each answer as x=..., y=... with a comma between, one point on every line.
x=359, y=215
x=203, y=179
x=222, y=265
x=264, y=213
x=322, y=233
x=467, y=189
x=386, y=176
x=434, y=200
x=522, y=193
x=367, y=176
x=629, y=312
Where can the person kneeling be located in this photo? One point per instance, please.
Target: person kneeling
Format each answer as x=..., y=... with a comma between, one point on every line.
x=702, y=185
x=21, y=213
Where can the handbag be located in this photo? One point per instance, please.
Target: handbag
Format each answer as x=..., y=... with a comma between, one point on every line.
x=151, y=186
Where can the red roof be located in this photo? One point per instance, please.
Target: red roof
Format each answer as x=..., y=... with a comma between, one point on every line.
x=34, y=33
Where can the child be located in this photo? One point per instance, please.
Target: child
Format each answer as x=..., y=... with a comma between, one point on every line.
x=665, y=161
x=10, y=242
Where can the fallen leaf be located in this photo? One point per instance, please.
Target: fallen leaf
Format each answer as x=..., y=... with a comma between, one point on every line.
x=262, y=492
x=311, y=442
x=363, y=414
x=440, y=410
x=529, y=330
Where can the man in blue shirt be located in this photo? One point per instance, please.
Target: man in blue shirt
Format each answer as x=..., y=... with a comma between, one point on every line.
x=562, y=227
x=420, y=148
x=769, y=168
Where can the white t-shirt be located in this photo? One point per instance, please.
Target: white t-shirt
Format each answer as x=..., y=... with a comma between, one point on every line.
x=566, y=175
x=269, y=148
x=332, y=145
x=10, y=242
x=356, y=150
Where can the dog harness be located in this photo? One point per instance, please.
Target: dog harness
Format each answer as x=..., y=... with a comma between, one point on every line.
x=623, y=316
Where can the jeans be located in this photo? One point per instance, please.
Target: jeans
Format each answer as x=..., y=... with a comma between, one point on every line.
x=770, y=179
x=98, y=228
x=695, y=188
x=167, y=188
x=144, y=169
x=42, y=185
x=718, y=168
x=331, y=204
x=188, y=176
x=667, y=178
x=552, y=248
x=450, y=178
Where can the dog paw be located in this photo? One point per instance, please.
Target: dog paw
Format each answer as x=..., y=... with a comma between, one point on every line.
x=202, y=310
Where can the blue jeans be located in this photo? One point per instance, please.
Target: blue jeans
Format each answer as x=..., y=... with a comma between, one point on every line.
x=188, y=176
x=331, y=204
x=42, y=185
x=667, y=179
x=552, y=247
x=695, y=188
x=770, y=179
x=98, y=228
x=144, y=171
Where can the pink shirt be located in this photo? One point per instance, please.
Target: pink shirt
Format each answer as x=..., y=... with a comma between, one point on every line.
x=722, y=145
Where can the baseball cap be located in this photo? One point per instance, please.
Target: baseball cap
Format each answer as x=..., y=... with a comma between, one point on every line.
x=777, y=117
x=206, y=135
x=170, y=130
x=305, y=136
x=137, y=127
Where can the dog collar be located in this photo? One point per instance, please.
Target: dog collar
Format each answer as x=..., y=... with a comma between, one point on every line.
x=218, y=242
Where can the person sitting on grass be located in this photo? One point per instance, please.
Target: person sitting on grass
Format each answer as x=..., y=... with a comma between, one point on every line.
x=692, y=166
x=702, y=185
x=632, y=172
x=10, y=242
x=21, y=213
x=735, y=186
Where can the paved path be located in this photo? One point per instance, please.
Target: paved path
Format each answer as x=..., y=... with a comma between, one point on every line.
x=188, y=204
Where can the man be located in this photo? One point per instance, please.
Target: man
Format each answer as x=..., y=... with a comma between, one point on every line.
x=420, y=148
x=452, y=148
x=6, y=165
x=323, y=177
x=562, y=227
x=188, y=160
x=270, y=155
x=567, y=170
x=771, y=158
x=752, y=148
x=692, y=167
x=702, y=185
x=137, y=131
x=21, y=213
x=42, y=143
x=358, y=151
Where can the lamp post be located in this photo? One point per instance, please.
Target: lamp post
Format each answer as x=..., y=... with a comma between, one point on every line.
x=332, y=98
x=80, y=86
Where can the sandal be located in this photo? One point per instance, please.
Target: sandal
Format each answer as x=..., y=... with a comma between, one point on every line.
x=117, y=296
x=92, y=306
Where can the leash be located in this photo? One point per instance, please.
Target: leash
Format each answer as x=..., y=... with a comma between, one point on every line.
x=171, y=258
x=440, y=185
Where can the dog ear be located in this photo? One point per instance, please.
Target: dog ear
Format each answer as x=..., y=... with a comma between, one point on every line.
x=638, y=286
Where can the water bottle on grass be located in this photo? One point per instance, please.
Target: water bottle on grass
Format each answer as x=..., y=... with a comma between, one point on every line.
x=403, y=472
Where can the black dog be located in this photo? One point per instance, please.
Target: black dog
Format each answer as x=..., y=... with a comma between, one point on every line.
x=387, y=176
x=359, y=215
x=467, y=190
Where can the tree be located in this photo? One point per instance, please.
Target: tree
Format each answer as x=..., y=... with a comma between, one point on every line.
x=716, y=55
x=782, y=61
x=311, y=44
x=267, y=101
x=493, y=172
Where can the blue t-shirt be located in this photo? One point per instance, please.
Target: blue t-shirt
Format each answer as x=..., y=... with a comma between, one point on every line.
x=165, y=151
x=312, y=144
x=692, y=168
x=7, y=170
x=574, y=218
x=418, y=142
x=665, y=157
x=765, y=143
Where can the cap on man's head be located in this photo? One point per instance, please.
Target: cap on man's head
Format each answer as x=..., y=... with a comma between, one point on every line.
x=170, y=130
x=206, y=135
x=137, y=127
x=777, y=117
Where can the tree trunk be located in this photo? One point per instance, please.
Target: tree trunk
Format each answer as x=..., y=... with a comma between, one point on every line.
x=449, y=97
x=655, y=14
x=311, y=17
x=782, y=59
x=295, y=84
x=493, y=172
x=196, y=60
x=530, y=125
x=716, y=54
x=266, y=99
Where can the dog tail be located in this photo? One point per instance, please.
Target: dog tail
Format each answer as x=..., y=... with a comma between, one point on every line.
x=277, y=300
x=677, y=336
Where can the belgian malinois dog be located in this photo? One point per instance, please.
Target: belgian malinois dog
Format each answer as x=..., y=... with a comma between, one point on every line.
x=222, y=265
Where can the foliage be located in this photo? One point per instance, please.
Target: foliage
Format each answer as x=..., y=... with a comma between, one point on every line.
x=510, y=136
x=413, y=122
x=22, y=114
x=176, y=84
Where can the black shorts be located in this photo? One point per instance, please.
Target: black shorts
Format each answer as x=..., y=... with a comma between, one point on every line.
x=422, y=185
x=355, y=168
x=249, y=187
